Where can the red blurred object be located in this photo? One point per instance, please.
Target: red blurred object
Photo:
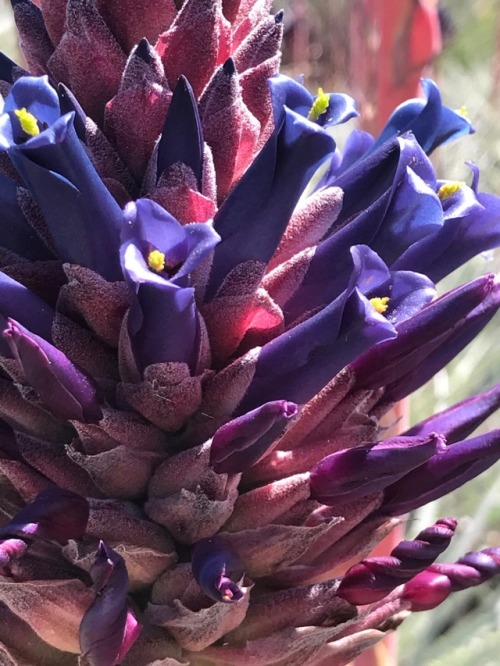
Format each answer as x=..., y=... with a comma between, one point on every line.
x=392, y=45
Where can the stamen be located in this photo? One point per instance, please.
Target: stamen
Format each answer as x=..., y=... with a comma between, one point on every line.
x=380, y=304
x=319, y=106
x=450, y=188
x=29, y=124
x=156, y=260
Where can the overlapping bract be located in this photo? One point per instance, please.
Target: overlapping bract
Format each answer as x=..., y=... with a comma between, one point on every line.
x=206, y=309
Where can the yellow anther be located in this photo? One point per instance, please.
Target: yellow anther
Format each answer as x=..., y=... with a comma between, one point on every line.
x=29, y=124
x=380, y=304
x=450, y=188
x=462, y=111
x=319, y=106
x=156, y=261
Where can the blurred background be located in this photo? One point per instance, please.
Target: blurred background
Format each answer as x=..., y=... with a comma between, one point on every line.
x=363, y=47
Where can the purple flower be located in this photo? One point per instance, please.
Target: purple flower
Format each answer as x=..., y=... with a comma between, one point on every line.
x=158, y=256
x=46, y=151
x=207, y=311
x=218, y=569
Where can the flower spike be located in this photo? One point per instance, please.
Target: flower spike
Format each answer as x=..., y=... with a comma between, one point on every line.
x=374, y=578
x=207, y=311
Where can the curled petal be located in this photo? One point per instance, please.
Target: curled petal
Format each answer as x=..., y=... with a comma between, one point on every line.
x=431, y=122
x=109, y=628
x=218, y=569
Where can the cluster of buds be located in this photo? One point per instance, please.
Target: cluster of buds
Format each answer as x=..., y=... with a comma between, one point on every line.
x=206, y=309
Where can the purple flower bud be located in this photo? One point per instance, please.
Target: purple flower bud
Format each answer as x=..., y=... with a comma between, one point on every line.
x=11, y=549
x=54, y=514
x=109, y=628
x=374, y=578
x=353, y=473
x=431, y=587
x=182, y=136
x=217, y=569
x=448, y=469
x=239, y=444
x=62, y=387
x=458, y=422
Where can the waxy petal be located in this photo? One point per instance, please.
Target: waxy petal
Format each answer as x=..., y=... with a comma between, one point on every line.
x=315, y=350
x=163, y=297
x=288, y=92
x=434, y=359
x=16, y=233
x=20, y=303
x=61, y=178
x=266, y=196
x=419, y=335
x=9, y=72
x=431, y=122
